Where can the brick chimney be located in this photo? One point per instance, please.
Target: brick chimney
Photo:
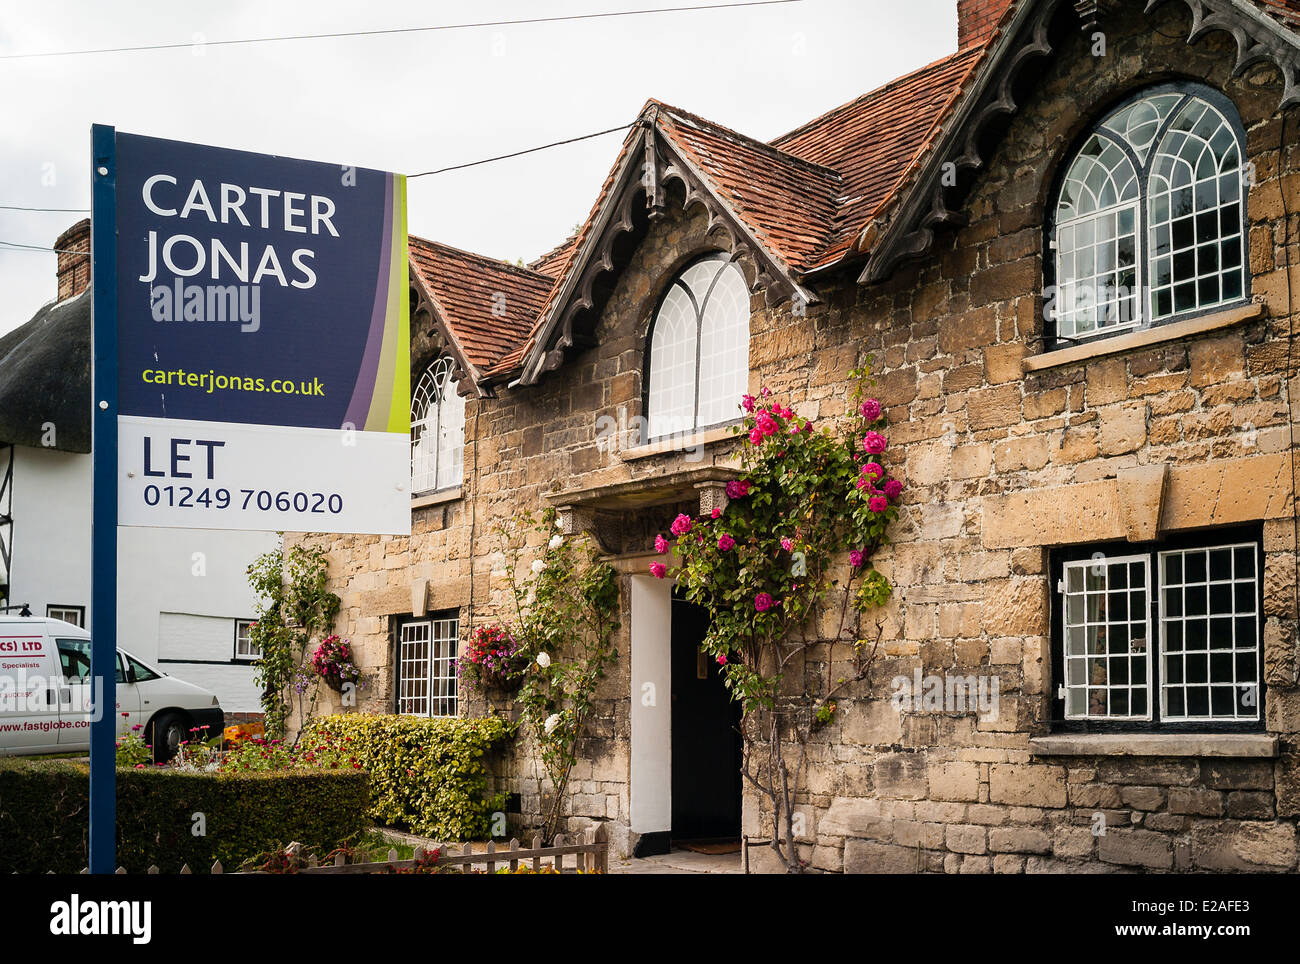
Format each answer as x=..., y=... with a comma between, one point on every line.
x=976, y=20
x=74, y=265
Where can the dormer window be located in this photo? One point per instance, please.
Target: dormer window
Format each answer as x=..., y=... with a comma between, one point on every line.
x=437, y=430
x=1150, y=216
x=699, y=349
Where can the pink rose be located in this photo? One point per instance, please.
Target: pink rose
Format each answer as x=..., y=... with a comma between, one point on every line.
x=874, y=443
x=681, y=525
x=725, y=542
x=765, y=391
x=658, y=570
x=767, y=424
x=863, y=482
x=878, y=503
x=737, y=488
x=755, y=437
x=873, y=471
x=787, y=544
x=763, y=602
x=855, y=558
x=661, y=544
x=715, y=513
x=747, y=402
x=893, y=488
x=722, y=659
x=871, y=410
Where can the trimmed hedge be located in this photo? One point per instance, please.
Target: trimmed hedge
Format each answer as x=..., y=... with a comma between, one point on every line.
x=44, y=806
x=428, y=776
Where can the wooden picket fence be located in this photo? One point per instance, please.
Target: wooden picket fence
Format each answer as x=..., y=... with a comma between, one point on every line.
x=590, y=851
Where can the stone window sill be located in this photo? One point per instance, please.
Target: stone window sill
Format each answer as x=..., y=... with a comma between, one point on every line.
x=435, y=498
x=679, y=443
x=1141, y=339
x=1155, y=744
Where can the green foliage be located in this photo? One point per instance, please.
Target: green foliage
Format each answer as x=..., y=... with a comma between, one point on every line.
x=428, y=776
x=567, y=610
x=44, y=806
x=800, y=537
x=293, y=606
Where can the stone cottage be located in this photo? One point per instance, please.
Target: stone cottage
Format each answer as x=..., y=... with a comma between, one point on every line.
x=1072, y=250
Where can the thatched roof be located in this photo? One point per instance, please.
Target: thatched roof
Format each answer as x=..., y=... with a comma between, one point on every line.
x=45, y=378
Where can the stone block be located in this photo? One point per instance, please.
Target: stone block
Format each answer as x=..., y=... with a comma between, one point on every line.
x=1027, y=784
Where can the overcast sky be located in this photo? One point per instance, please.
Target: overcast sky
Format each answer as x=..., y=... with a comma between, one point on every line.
x=415, y=102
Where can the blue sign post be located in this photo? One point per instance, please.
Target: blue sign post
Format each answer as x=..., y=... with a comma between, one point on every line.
x=103, y=555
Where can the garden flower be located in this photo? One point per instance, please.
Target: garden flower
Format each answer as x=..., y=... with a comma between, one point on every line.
x=556, y=541
x=763, y=602
x=682, y=525
x=661, y=544
x=722, y=659
x=787, y=544
x=863, y=482
x=873, y=471
x=747, y=402
x=658, y=570
x=755, y=437
x=543, y=659
x=538, y=565
x=878, y=503
x=855, y=558
x=551, y=723
x=767, y=424
x=870, y=410
x=874, y=443
x=737, y=489
x=715, y=513
x=725, y=542
x=893, y=488
x=765, y=391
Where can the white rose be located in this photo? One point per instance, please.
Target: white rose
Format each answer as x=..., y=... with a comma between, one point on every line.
x=543, y=660
x=559, y=523
x=557, y=541
x=551, y=723
x=538, y=565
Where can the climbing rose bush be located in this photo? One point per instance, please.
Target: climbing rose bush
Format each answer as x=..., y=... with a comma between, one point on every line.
x=812, y=506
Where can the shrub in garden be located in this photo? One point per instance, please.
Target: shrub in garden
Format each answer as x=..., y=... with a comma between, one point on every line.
x=44, y=806
x=429, y=776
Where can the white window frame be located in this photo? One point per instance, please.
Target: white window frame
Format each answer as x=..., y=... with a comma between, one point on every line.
x=242, y=635
x=1143, y=158
x=427, y=684
x=662, y=418
x=1066, y=657
x=1157, y=620
x=1166, y=620
x=57, y=611
x=437, y=430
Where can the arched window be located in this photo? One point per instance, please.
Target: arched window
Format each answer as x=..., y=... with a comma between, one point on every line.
x=1150, y=217
x=437, y=429
x=699, y=349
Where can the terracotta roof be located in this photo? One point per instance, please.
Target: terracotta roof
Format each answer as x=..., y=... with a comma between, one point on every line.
x=1287, y=12
x=788, y=202
x=873, y=141
x=552, y=262
x=489, y=305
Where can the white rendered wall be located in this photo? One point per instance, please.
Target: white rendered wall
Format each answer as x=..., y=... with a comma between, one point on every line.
x=191, y=572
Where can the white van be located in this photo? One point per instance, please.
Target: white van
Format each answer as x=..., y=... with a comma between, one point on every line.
x=47, y=695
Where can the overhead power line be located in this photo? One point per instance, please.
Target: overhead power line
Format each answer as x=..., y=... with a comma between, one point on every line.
x=531, y=150
x=15, y=207
x=389, y=31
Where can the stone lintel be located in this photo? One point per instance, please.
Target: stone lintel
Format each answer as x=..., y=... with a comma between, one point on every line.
x=1216, y=493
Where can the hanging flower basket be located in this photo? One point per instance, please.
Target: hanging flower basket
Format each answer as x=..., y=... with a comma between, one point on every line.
x=333, y=662
x=492, y=660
